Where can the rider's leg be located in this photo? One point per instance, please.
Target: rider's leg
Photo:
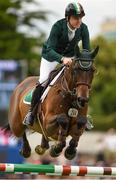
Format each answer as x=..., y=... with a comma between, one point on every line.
x=45, y=68
x=29, y=119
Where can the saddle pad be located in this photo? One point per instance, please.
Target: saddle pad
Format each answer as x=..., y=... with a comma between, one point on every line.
x=28, y=97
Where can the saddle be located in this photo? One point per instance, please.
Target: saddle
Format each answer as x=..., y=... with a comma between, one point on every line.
x=52, y=75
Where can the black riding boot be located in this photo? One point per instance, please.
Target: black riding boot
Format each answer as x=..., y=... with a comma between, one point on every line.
x=29, y=119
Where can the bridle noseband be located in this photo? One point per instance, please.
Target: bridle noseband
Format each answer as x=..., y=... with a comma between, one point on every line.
x=83, y=83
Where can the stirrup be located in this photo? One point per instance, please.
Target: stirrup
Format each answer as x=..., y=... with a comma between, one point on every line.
x=89, y=124
x=29, y=119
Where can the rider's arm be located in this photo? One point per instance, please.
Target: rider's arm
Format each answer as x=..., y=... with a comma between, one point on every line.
x=85, y=37
x=49, y=48
x=66, y=60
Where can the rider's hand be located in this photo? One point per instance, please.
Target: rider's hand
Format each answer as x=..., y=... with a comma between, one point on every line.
x=66, y=60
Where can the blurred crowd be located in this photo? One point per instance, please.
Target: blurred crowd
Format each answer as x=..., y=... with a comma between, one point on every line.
x=105, y=157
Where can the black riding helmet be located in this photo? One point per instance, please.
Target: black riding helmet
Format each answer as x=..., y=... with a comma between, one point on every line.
x=74, y=9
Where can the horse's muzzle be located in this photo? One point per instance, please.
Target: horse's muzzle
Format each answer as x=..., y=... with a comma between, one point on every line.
x=81, y=101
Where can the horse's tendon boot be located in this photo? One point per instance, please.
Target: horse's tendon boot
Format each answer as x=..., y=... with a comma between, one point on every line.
x=89, y=124
x=81, y=121
x=62, y=120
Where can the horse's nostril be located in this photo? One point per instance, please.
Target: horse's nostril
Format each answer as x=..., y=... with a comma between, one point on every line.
x=83, y=100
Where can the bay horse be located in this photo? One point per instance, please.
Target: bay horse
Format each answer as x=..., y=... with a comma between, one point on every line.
x=62, y=113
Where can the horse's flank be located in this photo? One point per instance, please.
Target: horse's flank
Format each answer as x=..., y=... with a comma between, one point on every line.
x=17, y=109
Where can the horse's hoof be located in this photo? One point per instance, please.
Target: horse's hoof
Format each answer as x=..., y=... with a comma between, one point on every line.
x=39, y=150
x=25, y=154
x=53, y=152
x=70, y=153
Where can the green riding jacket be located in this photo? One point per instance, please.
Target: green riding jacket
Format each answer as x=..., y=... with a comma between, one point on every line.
x=58, y=44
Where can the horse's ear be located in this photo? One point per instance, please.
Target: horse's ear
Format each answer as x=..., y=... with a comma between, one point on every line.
x=94, y=52
x=77, y=51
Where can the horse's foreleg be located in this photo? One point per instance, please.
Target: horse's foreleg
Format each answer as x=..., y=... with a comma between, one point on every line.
x=26, y=149
x=78, y=130
x=40, y=149
x=63, y=128
x=70, y=151
x=63, y=124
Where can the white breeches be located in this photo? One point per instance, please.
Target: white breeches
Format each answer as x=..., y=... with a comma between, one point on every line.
x=45, y=68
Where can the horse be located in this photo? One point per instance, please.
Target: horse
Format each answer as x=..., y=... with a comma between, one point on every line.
x=63, y=112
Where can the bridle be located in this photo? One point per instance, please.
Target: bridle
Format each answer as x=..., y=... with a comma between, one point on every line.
x=83, y=83
x=65, y=86
x=82, y=61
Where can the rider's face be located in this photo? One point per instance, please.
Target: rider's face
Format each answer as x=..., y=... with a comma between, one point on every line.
x=75, y=22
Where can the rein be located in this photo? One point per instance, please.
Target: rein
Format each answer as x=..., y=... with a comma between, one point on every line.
x=66, y=88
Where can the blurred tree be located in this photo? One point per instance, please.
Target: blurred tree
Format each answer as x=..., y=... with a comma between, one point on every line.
x=103, y=98
x=19, y=22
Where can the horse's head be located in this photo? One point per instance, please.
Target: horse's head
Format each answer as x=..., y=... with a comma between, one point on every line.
x=82, y=71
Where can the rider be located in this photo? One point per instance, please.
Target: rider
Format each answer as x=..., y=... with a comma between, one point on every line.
x=59, y=48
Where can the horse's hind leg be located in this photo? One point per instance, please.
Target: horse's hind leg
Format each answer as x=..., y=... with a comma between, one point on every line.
x=26, y=149
x=63, y=123
x=40, y=149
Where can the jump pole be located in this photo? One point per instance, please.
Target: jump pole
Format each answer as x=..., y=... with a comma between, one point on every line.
x=57, y=170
